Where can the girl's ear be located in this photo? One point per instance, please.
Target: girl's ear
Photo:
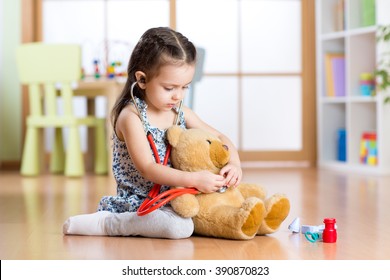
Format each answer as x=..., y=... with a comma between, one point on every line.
x=141, y=79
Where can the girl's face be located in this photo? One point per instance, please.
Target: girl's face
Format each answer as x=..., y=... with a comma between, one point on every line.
x=168, y=88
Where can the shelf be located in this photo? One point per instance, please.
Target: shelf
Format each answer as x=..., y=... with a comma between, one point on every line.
x=348, y=33
x=355, y=168
x=351, y=99
x=329, y=99
x=333, y=35
x=349, y=117
x=363, y=99
x=361, y=31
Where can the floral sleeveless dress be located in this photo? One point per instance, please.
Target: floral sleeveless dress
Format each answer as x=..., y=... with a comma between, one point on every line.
x=132, y=188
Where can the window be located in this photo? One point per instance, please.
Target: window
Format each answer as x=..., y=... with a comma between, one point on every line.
x=254, y=64
x=253, y=57
x=107, y=30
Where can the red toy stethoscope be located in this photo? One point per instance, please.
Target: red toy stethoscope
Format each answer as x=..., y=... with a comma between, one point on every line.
x=154, y=200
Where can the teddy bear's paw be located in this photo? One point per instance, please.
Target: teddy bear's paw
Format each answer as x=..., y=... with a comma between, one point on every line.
x=277, y=209
x=186, y=205
x=256, y=212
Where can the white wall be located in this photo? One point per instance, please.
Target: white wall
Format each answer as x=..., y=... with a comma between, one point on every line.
x=1, y=74
x=10, y=93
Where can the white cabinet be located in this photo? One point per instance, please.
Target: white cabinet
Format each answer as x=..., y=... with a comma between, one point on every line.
x=346, y=31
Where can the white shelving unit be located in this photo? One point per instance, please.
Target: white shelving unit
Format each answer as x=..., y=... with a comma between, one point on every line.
x=353, y=112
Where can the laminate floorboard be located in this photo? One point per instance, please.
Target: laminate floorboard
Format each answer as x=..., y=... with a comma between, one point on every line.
x=33, y=209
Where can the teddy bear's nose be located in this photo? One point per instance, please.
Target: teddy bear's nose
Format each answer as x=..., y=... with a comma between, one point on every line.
x=225, y=147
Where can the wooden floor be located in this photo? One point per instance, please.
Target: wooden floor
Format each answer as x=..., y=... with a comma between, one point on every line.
x=32, y=211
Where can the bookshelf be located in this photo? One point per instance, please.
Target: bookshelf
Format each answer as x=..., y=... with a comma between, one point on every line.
x=349, y=27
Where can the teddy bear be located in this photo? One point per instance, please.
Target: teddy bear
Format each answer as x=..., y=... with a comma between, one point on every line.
x=238, y=213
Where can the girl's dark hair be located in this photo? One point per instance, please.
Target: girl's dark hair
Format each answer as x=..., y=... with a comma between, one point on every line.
x=157, y=47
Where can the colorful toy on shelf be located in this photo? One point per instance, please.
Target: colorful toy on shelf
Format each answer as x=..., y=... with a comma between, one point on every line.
x=341, y=144
x=368, y=149
x=367, y=84
x=97, y=71
x=368, y=12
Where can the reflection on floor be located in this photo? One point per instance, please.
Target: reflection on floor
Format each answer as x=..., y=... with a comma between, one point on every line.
x=32, y=210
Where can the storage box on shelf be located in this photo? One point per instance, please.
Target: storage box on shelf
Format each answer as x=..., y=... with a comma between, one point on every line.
x=347, y=29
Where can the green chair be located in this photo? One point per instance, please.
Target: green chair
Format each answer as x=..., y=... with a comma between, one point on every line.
x=49, y=71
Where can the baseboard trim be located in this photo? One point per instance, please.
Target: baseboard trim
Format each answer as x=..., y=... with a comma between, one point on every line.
x=15, y=165
x=10, y=165
x=275, y=164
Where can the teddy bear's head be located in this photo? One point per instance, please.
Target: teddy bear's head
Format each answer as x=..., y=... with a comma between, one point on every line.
x=196, y=149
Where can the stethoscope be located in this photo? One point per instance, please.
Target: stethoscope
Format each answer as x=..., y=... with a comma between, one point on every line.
x=154, y=200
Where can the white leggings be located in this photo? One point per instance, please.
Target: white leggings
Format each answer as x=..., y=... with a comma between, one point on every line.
x=161, y=223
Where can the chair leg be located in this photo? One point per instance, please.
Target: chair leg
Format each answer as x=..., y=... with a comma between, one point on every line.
x=31, y=153
x=101, y=156
x=74, y=162
x=57, y=160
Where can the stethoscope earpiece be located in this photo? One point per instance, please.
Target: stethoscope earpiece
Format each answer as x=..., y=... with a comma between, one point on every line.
x=139, y=112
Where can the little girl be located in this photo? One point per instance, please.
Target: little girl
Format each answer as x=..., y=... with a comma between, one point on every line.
x=160, y=70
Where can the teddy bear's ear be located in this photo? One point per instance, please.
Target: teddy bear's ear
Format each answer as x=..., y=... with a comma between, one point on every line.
x=173, y=134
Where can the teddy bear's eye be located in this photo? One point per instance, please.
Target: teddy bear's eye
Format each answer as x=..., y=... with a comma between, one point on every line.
x=208, y=141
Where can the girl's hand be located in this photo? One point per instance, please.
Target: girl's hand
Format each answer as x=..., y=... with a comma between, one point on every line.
x=207, y=182
x=232, y=173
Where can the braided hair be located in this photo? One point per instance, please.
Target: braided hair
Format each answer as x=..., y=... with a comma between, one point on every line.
x=157, y=47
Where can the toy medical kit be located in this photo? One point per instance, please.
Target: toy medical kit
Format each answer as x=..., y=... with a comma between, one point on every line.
x=329, y=234
x=326, y=232
x=295, y=226
x=313, y=236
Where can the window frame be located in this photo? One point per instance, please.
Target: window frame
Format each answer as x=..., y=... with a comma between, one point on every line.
x=32, y=32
